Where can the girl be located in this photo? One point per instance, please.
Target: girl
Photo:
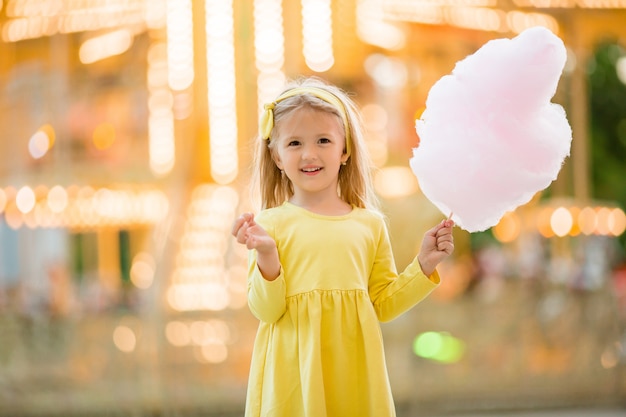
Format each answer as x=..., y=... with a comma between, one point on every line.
x=321, y=271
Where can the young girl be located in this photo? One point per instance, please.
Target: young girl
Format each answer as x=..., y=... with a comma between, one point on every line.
x=321, y=271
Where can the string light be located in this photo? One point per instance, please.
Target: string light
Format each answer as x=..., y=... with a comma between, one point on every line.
x=220, y=55
x=561, y=221
x=317, y=35
x=200, y=280
x=25, y=199
x=180, y=44
x=373, y=28
x=84, y=209
x=519, y=21
x=31, y=20
x=269, y=49
x=161, y=140
x=105, y=46
x=470, y=14
x=155, y=13
x=564, y=220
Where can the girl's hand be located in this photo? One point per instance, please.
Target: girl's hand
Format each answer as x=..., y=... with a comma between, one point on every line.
x=249, y=233
x=437, y=245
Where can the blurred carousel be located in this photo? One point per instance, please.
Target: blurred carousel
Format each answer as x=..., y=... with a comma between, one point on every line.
x=126, y=132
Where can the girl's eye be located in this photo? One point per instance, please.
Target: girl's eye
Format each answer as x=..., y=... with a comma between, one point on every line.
x=324, y=140
x=293, y=143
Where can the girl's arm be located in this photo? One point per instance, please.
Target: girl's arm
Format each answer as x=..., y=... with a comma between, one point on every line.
x=393, y=294
x=266, y=284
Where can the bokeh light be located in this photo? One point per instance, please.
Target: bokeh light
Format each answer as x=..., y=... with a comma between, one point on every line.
x=142, y=270
x=3, y=200
x=620, y=67
x=561, y=221
x=388, y=72
x=110, y=44
x=200, y=280
x=161, y=140
x=575, y=213
x=57, y=199
x=221, y=95
x=375, y=119
x=603, y=214
x=375, y=29
x=214, y=351
x=269, y=49
x=104, y=136
x=82, y=207
x=38, y=145
x=439, y=346
x=543, y=222
x=317, y=35
x=25, y=199
x=395, y=182
x=180, y=53
x=509, y=228
x=177, y=333
x=587, y=220
x=124, y=338
x=617, y=221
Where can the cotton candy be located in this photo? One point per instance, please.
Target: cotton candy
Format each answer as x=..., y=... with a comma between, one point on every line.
x=490, y=137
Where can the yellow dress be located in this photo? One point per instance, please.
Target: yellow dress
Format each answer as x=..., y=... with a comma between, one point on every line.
x=319, y=349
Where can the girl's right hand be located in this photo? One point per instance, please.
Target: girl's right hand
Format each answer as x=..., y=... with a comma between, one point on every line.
x=249, y=233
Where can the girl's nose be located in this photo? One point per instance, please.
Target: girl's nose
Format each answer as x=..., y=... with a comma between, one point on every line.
x=309, y=152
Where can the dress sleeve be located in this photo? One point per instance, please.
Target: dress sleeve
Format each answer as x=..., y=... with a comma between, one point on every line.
x=393, y=294
x=266, y=299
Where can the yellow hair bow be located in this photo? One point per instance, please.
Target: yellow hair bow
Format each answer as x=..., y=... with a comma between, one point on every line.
x=267, y=120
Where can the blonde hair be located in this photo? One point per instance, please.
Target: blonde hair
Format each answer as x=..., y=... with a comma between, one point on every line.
x=355, y=185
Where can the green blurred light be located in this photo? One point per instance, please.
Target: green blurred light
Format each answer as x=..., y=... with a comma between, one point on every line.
x=439, y=346
x=427, y=345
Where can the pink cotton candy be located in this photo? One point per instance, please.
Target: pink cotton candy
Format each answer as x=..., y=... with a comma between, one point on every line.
x=490, y=138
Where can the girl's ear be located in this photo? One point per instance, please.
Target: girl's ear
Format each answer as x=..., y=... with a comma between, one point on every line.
x=277, y=160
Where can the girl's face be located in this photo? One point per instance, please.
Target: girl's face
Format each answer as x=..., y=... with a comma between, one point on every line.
x=309, y=149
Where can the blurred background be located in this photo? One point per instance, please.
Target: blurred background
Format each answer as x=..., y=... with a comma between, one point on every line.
x=126, y=130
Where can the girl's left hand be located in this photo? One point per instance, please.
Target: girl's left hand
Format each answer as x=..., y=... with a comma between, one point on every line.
x=437, y=245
